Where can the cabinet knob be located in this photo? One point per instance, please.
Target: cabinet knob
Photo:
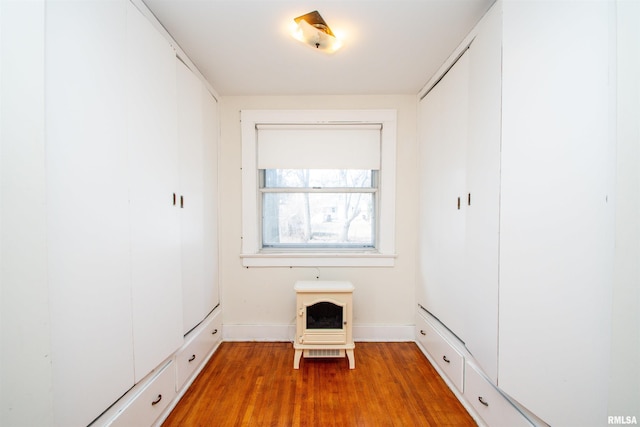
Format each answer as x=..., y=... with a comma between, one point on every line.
x=158, y=399
x=445, y=359
x=422, y=332
x=215, y=331
x=192, y=358
x=481, y=400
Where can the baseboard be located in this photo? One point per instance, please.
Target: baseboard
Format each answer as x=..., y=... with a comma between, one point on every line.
x=258, y=332
x=384, y=333
x=363, y=333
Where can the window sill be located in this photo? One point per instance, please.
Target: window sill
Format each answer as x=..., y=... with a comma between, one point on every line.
x=318, y=259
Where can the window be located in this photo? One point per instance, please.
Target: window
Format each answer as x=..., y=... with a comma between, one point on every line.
x=318, y=187
x=318, y=208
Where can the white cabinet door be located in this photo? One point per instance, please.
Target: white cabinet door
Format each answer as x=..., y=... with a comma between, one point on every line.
x=460, y=167
x=87, y=204
x=430, y=210
x=556, y=220
x=482, y=198
x=444, y=121
x=197, y=134
x=191, y=142
x=211, y=295
x=455, y=119
x=153, y=165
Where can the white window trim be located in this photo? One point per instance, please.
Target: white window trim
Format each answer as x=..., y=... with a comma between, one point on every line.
x=251, y=254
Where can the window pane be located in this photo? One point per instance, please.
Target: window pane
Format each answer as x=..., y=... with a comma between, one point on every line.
x=318, y=220
x=324, y=178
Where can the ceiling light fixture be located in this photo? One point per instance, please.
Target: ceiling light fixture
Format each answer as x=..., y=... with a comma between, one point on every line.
x=314, y=31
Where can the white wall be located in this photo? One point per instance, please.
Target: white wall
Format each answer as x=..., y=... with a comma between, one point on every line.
x=259, y=303
x=25, y=347
x=624, y=395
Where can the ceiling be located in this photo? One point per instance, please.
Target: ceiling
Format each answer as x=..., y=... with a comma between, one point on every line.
x=244, y=47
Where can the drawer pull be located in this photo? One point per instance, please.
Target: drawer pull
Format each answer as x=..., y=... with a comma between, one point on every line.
x=215, y=331
x=445, y=359
x=481, y=400
x=192, y=358
x=423, y=332
x=158, y=399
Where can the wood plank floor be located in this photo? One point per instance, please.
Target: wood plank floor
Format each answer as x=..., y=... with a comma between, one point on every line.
x=254, y=384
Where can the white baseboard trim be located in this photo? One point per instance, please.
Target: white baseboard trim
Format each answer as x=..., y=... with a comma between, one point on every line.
x=258, y=332
x=363, y=333
x=384, y=333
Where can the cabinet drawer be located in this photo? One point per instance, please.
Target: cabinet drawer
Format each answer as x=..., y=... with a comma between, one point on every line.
x=146, y=406
x=489, y=403
x=450, y=360
x=198, y=345
x=421, y=331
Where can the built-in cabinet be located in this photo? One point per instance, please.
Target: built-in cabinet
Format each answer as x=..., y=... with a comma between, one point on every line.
x=130, y=177
x=152, y=139
x=197, y=137
x=445, y=354
x=151, y=400
x=516, y=241
x=197, y=346
x=459, y=199
x=87, y=208
x=465, y=377
x=557, y=208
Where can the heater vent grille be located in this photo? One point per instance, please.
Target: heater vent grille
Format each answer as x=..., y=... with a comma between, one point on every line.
x=323, y=352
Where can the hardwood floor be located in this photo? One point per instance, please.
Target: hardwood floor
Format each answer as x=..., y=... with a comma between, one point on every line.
x=254, y=384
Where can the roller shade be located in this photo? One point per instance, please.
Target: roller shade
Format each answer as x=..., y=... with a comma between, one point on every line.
x=348, y=146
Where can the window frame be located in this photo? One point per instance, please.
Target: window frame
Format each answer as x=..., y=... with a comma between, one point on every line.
x=252, y=254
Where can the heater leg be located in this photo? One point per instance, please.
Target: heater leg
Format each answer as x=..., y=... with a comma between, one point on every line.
x=296, y=359
x=352, y=359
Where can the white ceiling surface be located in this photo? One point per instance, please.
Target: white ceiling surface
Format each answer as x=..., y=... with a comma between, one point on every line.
x=244, y=47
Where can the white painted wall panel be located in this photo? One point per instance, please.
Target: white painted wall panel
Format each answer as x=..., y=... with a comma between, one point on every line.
x=25, y=356
x=624, y=395
x=88, y=208
x=556, y=241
